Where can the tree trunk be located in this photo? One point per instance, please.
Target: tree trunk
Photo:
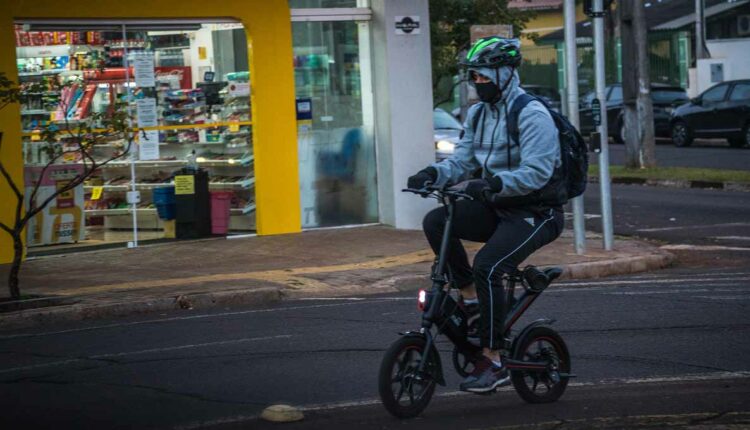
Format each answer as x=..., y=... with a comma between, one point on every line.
x=645, y=107
x=15, y=268
x=636, y=87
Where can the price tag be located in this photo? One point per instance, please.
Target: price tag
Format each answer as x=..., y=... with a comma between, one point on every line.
x=184, y=184
x=36, y=137
x=96, y=193
x=234, y=127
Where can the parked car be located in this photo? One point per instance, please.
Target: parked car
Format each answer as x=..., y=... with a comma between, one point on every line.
x=548, y=94
x=722, y=111
x=447, y=132
x=664, y=99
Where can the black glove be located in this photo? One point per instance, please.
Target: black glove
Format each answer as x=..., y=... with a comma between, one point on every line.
x=473, y=187
x=423, y=178
x=479, y=189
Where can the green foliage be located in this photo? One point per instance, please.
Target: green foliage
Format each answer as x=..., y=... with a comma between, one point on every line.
x=450, y=21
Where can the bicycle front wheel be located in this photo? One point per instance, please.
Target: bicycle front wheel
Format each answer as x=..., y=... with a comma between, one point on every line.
x=404, y=390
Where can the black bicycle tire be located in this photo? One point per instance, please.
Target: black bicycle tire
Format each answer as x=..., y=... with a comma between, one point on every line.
x=518, y=376
x=385, y=383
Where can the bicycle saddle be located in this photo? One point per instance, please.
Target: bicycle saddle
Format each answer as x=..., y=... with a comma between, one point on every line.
x=538, y=280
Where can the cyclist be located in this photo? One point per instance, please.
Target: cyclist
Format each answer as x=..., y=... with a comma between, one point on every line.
x=517, y=195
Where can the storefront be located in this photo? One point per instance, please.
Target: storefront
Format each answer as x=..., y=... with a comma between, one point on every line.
x=283, y=123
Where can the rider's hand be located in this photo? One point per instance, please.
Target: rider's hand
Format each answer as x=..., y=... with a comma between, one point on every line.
x=475, y=188
x=422, y=178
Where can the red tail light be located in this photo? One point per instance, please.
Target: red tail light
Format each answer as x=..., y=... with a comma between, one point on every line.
x=422, y=300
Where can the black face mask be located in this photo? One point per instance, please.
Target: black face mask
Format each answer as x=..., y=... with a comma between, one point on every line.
x=488, y=92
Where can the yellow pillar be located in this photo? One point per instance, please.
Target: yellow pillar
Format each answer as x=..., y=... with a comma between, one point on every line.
x=268, y=29
x=10, y=125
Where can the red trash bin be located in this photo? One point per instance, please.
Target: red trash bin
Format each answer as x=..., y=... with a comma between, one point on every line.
x=220, y=210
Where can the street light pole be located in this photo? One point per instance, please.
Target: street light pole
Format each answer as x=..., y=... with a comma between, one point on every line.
x=597, y=15
x=571, y=73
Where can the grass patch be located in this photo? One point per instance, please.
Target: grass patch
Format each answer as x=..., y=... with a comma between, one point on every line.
x=676, y=173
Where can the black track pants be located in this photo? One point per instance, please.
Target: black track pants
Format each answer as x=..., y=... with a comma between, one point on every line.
x=510, y=236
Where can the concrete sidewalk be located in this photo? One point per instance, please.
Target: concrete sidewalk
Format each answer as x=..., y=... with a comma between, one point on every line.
x=261, y=270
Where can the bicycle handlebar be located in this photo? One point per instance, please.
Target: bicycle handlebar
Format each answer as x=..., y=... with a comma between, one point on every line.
x=438, y=191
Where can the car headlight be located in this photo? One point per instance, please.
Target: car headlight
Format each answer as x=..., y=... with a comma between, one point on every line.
x=444, y=145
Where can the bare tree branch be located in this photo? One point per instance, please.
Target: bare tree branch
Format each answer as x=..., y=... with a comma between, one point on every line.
x=12, y=184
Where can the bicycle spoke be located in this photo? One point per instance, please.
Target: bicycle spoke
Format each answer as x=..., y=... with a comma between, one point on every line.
x=400, y=394
x=546, y=384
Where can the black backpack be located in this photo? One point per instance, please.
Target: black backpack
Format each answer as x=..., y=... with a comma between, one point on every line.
x=573, y=151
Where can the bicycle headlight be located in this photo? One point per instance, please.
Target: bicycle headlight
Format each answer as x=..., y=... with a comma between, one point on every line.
x=444, y=145
x=422, y=300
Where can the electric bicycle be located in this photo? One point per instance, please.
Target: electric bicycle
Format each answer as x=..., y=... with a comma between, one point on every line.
x=536, y=356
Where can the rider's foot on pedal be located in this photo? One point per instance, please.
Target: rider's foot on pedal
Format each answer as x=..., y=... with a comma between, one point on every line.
x=488, y=379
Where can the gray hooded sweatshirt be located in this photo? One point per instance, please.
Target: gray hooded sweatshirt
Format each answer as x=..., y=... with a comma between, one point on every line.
x=532, y=159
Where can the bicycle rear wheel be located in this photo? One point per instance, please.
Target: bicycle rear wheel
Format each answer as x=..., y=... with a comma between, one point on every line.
x=542, y=344
x=405, y=392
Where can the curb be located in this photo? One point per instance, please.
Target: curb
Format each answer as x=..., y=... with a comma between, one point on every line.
x=679, y=183
x=620, y=266
x=84, y=311
x=656, y=259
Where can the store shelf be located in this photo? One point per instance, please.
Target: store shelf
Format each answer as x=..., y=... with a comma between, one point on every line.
x=41, y=73
x=44, y=51
x=110, y=212
x=36, y=112
x=250, y=208
x=149, y=186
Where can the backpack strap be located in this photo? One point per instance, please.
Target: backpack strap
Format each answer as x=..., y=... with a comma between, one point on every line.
x=515, y=111
x=475, y=119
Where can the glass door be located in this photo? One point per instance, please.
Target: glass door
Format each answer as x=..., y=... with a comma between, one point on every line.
x=335, y=123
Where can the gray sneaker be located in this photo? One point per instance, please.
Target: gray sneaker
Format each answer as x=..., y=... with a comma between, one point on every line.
x=486, y=380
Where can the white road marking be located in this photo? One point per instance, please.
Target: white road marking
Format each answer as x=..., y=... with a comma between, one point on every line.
x=144, y=351
x=681, y=290
x=703, y=248
x=724, y=297
x=644, y=281
x=605, y=382
x=686, y=276
x=719, y=279
x=693, y=227
x=192, y=317
x=747, y=238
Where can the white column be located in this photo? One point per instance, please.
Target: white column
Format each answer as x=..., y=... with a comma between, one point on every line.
x=402, y=82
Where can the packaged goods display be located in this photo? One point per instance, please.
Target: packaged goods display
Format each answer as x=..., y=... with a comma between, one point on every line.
x=70, y=80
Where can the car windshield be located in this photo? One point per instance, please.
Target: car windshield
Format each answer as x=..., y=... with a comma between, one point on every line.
x=444, y=121
x=669, y=96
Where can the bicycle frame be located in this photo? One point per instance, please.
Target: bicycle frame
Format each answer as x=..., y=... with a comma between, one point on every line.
x=435, y=312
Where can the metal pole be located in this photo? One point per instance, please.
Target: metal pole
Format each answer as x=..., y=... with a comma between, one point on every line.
x=571, y=73
x=129, y=98
x=604, y=181
x=700, y=47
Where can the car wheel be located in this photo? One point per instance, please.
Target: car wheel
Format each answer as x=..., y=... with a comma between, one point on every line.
x=620, y=134
x=681, y=135
x=741, y=142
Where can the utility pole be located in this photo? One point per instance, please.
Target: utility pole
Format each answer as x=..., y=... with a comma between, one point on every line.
x=571, y=73
x=700, y=31
x=597, y=15
x=636, y=87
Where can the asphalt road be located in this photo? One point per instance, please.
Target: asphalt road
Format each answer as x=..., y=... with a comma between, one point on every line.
x=664, y=348
x=222, y=368
x=674, y=215
x=712, y=154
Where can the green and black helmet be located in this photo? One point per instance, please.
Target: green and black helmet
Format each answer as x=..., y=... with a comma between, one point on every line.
x=493, y=52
